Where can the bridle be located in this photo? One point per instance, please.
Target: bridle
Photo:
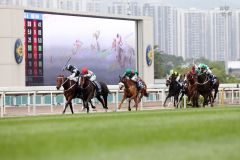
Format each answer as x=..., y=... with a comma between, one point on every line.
x=71, y=85
x=86, y=86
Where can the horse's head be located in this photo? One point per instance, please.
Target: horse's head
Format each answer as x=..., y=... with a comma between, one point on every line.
x=84, y=81
x=169, y=80
x=121, y=82
x=59, y=81
x=191, y=78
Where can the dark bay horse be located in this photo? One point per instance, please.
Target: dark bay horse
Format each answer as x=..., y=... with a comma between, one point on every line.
x=130, y=92
x=89, y=92
x=199, y=85
x=174, y=90
x=71, y=91
x=205, y=88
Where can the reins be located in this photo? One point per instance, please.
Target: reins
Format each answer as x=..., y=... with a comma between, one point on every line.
x=71, y=86
x=87, y=85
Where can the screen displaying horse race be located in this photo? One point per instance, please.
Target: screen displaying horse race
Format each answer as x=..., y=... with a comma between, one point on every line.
x=105, y=46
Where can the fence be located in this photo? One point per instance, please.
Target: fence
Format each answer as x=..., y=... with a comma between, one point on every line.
x=31, y=97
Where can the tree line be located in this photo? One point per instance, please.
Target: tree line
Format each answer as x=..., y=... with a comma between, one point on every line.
x=163, y=63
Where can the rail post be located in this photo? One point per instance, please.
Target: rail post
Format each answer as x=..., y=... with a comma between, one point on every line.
x=184, y=102
x=34, y=102
x=51, y=99
x=1, y=104
x=222, y=97
x=116, y=101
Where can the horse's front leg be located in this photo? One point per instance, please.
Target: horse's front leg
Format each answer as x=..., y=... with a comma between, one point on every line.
x=180, y=99
x=68, y=101
x=140, y=97
x=136, y=100
x=71, y=107
x=85, y=104
x=129, y=107
x=93, y=107
x=66, y=104
x=123, y=99
x=166, y=100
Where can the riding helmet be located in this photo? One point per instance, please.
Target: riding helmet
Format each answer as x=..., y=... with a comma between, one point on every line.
x=70, y=67
x=84, y=70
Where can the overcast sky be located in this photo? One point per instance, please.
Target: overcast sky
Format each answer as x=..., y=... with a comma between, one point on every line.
x=201, y=4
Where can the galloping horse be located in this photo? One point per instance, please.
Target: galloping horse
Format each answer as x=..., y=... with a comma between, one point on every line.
x=199, y=85
x=192, y=88
x=71, y=91
x=130, y=91
x=89, y=91
x=174, y=90
x=205, y=88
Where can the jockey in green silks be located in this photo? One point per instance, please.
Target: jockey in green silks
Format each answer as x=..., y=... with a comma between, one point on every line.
x=133, y=75
x=204, y=69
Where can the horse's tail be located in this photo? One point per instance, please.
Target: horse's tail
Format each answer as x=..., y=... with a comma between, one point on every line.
x=109, y=92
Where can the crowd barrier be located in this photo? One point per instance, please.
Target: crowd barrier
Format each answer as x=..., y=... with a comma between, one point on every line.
x=37, y=95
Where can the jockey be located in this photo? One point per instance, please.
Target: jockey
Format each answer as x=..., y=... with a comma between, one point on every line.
x=128, y=73
x=205, y=69
x=133, y=75
x=195, y=70
x=177, y=77
x=92, y=77
x=75, y=72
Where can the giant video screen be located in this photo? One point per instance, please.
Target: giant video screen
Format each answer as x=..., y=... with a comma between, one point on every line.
x=105, y=46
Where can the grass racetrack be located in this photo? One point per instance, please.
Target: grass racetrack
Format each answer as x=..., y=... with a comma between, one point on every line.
x=181, y=134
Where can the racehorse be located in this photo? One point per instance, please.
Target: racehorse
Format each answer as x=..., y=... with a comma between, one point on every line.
x=71, y=91
x=174, y=90
x=130, y=91
x=205, y=88
x=192, y=89
x=89, y=91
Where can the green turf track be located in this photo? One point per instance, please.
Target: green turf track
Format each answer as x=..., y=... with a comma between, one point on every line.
x=180, y=134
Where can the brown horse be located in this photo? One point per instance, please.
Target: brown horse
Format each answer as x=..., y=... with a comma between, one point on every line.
x=89, y=91
x=199, y=85
x=205, y=88
x=71, y=91
x=130, y=91
x=192, y=89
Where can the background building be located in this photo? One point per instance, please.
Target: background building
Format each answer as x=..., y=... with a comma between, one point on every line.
x=22, y=48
